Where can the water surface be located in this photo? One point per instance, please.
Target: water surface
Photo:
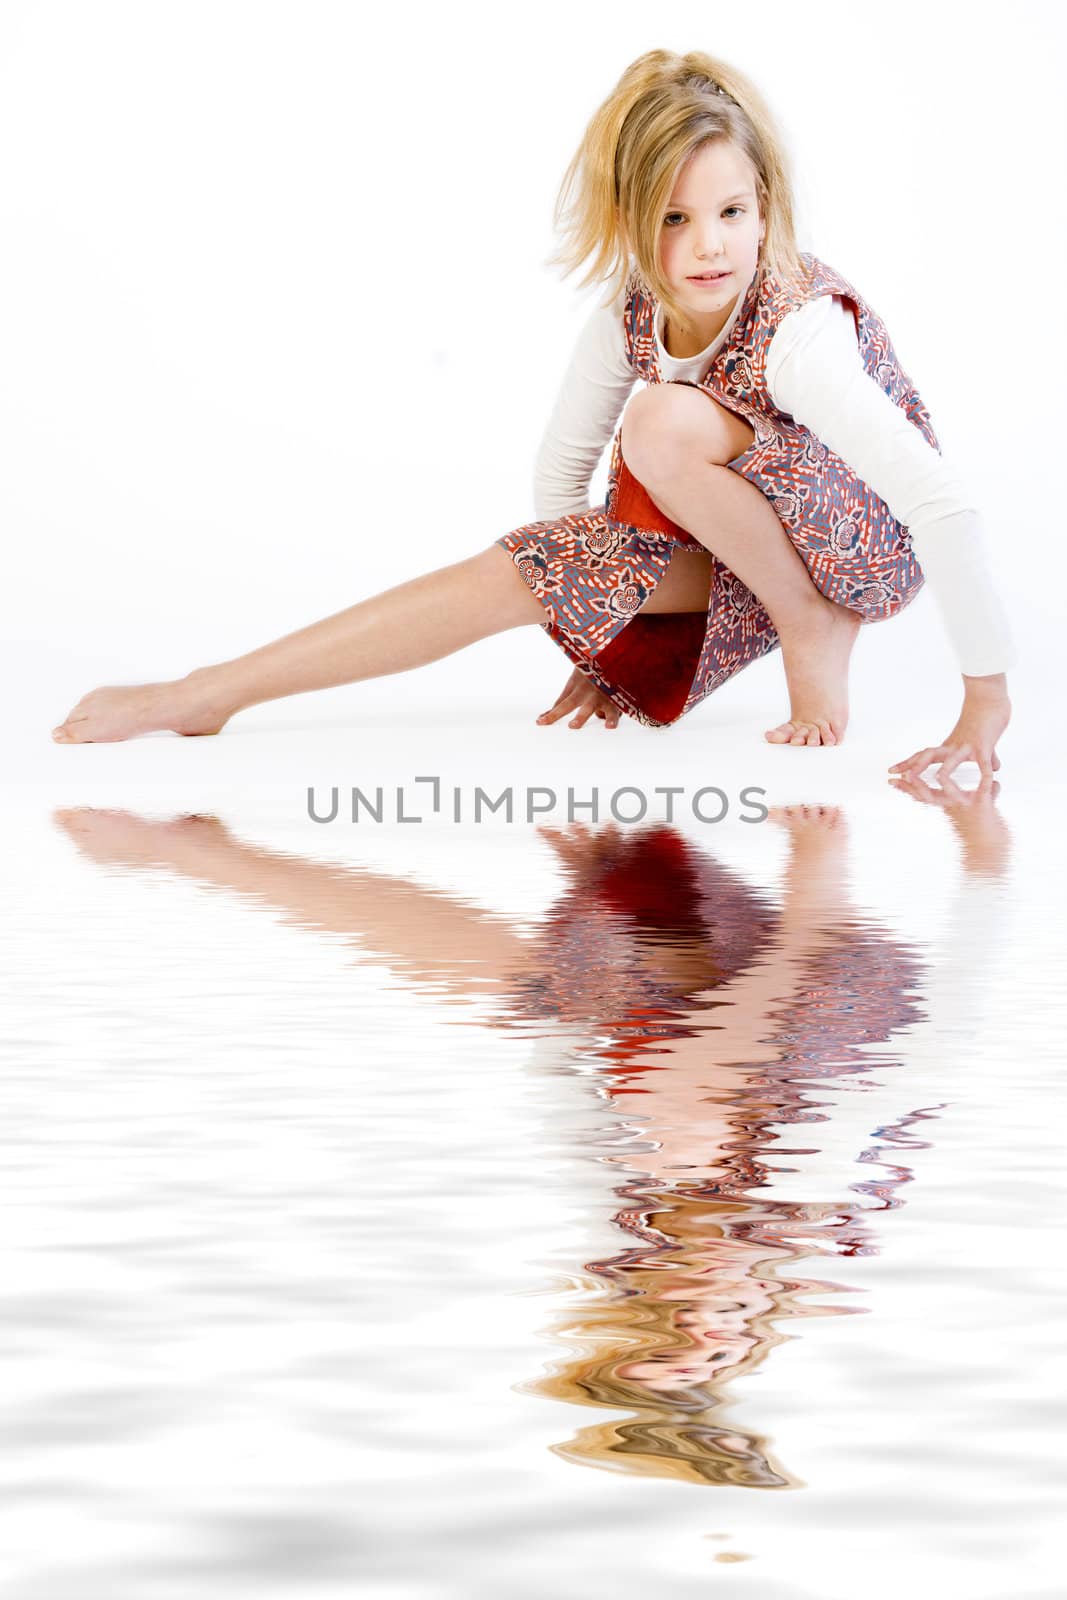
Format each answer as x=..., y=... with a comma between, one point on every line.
x=578, y=1210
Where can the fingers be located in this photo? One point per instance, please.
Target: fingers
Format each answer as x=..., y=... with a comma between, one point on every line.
x=602, y=707
x=909, y=767
x=568, y=697
x=951, y=790
x=918, y=788
x=954, y=759
x=950, y=757
x=952, y=793
x=914, y=766
x=949, y=796
x=580, y=699
x=566, y=702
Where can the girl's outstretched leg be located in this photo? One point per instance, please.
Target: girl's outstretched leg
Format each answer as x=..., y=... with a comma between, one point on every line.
x=420, y=621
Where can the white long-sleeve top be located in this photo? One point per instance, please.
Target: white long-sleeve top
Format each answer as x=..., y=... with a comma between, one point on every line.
x=815, y=374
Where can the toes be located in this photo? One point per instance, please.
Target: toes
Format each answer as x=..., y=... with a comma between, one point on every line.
x=808, y=734
x=70, y=732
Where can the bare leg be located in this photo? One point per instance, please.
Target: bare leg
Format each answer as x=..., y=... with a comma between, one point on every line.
x=677, y=451
x=416, y=622
x=732, y=518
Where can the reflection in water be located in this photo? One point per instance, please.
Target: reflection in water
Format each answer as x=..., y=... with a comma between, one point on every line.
x=705, y=1015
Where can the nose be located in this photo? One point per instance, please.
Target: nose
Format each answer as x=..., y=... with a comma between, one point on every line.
x=709, y=244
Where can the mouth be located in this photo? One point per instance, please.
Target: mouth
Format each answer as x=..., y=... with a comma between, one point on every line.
x=709, y=277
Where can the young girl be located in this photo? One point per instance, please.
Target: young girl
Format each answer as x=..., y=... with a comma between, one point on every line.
x=777, y=482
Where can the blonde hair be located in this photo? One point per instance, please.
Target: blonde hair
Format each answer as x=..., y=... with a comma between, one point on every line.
x=663, y=108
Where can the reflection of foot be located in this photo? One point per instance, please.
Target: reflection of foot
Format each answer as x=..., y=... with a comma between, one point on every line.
x=815, y=874
x=808, y=821
x=104, y=716
x=816, y=658
x=122, y=837
x=582, y=849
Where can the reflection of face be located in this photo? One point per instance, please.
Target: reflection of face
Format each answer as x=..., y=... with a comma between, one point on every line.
x=678, y=1369
x=712, y=222
x=715, y=1319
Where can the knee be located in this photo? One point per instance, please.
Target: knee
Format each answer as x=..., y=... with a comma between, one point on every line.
x=667, y=426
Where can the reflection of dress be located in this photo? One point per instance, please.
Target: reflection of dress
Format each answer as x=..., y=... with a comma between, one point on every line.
x=860, y=1019
x=594, y=570
x=599, y=963
x=856, y=988
x=863, y=986
x=657, y=889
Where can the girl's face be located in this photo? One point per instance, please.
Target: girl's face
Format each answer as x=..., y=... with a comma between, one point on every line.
x=711, y=224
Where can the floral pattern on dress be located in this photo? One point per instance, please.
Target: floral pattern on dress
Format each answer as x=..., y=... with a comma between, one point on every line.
x=604, y=540
x=626, y=599
x=540, y=571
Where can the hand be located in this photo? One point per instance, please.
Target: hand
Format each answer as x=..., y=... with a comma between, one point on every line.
x=581, y=695
x=986, y=713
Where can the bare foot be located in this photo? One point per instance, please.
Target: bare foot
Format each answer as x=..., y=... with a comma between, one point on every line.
x=816, y=660
x=103, y=716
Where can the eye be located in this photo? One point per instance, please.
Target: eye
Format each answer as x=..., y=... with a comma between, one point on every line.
x=668, y=222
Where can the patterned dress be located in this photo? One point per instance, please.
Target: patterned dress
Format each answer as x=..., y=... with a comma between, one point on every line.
x=594, y=570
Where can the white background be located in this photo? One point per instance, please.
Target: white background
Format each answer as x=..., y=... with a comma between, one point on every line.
x=278, y=330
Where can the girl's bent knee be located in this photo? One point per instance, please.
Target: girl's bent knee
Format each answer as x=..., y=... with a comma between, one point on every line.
x=668, y=426
x=653, y=433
